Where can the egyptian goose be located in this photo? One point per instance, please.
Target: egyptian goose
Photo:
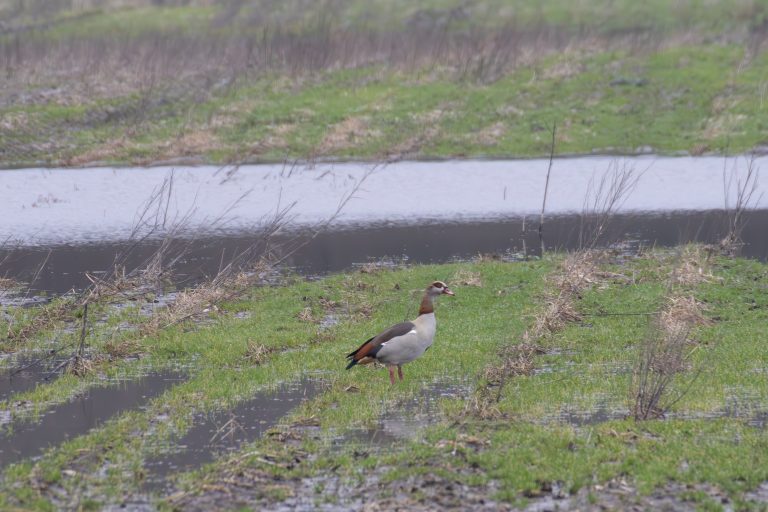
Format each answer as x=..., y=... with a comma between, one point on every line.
x=404, y=342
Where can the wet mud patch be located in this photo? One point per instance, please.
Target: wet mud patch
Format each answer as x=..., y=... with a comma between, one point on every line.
x=226, y=431
x=80, y=415
x=26, y=372
x=408, y=420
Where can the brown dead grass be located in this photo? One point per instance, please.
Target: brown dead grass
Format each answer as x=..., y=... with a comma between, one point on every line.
x=45, y=319
x=199, y=301
x=578, y=271
x=683, y=310
x=490, y=135
x=558, y=311
x=513, y=361
x=192, y=143
x=348, y=133
x=466, y=277
x=667, y=348
x=8, y=284
x=256, y=353
x=305, y=315
x=110, y=150
x=120, y=349
x=430, y=129
x=693, y=268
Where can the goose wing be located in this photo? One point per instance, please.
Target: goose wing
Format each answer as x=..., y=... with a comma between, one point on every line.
x=371, y=346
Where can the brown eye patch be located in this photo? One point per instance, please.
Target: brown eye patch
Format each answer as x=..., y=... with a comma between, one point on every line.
x=438, y=284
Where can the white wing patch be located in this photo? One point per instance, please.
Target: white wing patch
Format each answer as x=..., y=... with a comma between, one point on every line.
x=412, y=331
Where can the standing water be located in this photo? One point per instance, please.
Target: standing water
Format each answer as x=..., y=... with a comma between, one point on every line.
x=78, y=220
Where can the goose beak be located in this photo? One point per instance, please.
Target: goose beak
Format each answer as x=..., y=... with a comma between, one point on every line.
x=447, y=291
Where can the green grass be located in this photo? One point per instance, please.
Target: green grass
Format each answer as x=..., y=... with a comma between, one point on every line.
x=694, y=79
x=525, y=449
x=691, y=99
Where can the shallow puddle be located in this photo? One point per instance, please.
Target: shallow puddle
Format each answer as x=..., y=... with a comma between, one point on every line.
x=431, y=242
x=26, y=372
x=406, y=421
x=579, y=418
x=225, y=431
x=80, y=415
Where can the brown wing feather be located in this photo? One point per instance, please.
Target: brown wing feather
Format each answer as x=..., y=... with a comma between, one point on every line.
x=369, y=348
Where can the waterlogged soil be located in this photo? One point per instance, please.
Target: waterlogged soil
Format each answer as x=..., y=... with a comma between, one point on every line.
x=80, y=415
x=433, y=491
x=216, y=434
x=510, y=238
x=406, y=421
x=26, y=372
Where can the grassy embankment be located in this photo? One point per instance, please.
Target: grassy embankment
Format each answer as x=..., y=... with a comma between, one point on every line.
x=364, y=80
x=506, y=442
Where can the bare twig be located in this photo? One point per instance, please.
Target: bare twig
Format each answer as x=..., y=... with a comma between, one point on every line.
x=744, y=188
x=546, y=189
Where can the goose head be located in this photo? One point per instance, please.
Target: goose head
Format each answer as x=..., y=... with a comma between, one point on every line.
x=438, y=288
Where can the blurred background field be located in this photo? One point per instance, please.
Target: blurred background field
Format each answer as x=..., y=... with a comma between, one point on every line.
x=140, y=82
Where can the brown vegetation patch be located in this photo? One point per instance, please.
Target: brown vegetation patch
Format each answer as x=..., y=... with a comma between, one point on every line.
x=579, y=271
x=8, y=284
x=665, y=352
x=45, y=319
x=693, y=268
x=119, y=349
x=305, y=315
x=348, y=133
x=466, y=277
x=558, y=311
x=513, y=361
x=429, y=123
x=256, y=353
x=490, y=135
x=192, y=143
x=683, y=311
x=201, y=300
x=723, y=125
x=109, y=150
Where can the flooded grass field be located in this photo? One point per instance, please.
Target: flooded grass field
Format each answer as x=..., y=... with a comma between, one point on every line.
x=168, y=392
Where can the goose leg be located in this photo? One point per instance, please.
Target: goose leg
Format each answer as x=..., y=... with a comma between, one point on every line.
x=400, y=372
x=392, y=375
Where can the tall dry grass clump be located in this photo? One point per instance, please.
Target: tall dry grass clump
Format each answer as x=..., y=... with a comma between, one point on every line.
x=665, y=352
x=740, y=195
